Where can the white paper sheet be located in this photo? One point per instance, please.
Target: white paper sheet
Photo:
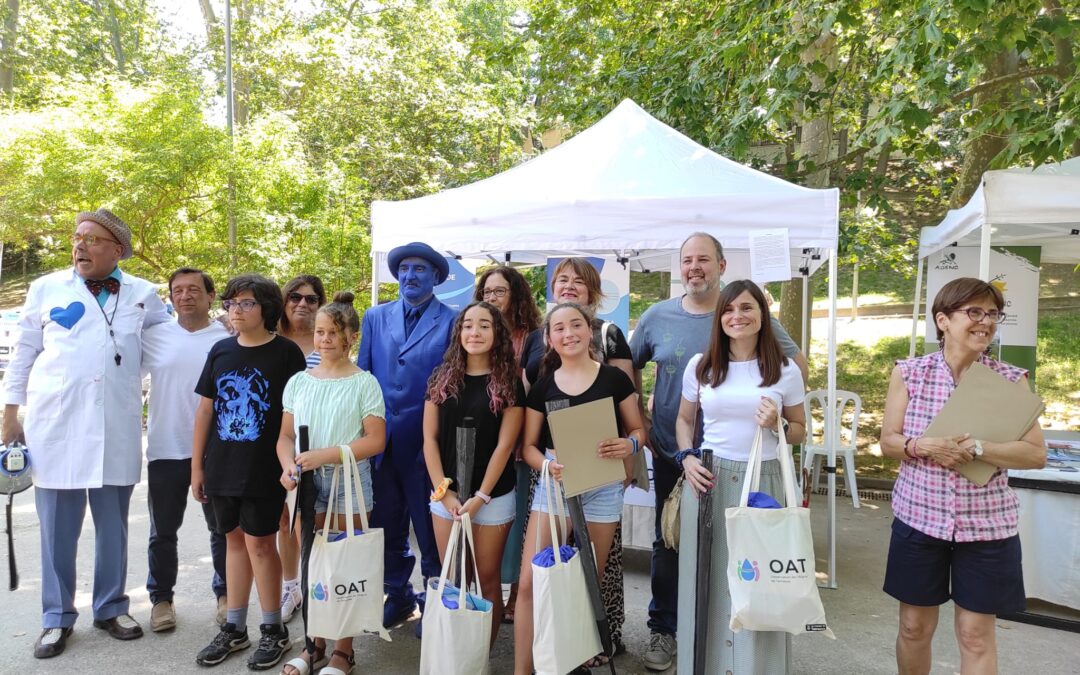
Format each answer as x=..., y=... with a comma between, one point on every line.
x=770, y=255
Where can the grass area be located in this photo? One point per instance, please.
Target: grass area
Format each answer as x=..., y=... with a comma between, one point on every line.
x=1057, y=373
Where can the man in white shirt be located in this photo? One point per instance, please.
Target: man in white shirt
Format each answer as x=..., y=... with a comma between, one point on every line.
x=76, y=369
x=173, y=355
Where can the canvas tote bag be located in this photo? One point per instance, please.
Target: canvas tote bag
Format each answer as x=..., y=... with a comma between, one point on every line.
x=771, y=556
x=564, y=628
x=456, y=640
x=345, y=577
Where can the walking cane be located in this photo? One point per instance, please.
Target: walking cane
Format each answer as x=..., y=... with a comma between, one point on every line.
x=465, y=447
x=592, y=575
x=704, y=571
x=305, y=509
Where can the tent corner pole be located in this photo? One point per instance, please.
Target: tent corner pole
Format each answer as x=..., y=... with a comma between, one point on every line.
x=374, y=278
x=808, y=304
x=831, y=422
x=984, y=252
x=915, y=305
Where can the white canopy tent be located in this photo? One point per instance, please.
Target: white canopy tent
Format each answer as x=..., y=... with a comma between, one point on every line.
x=1011, y=207
x=628, y=186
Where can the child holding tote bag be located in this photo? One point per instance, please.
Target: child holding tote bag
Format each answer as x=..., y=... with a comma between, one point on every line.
x=472, y=420
x=742, y=382
x=342, y=406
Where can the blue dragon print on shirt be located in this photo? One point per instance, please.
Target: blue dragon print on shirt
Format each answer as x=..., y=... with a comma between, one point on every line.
x=241, y=404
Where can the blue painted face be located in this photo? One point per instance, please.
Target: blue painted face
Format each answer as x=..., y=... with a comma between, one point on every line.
x=417, y=278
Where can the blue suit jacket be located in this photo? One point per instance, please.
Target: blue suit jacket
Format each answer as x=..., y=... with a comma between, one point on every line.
x=402, y=368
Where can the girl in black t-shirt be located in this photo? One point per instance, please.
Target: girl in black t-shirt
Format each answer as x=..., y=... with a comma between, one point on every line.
x=572, y=377
x=476, y=389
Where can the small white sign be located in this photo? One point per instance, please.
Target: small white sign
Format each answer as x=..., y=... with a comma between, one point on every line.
x=770, y=255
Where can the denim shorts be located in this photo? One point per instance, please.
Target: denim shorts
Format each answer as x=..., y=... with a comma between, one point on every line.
x=601, y=505
x=499, y=512
x=324, y=476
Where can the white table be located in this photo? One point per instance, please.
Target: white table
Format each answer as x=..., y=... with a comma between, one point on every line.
x=1050, y=531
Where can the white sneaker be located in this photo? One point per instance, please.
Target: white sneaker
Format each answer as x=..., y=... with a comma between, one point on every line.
x=291, y=599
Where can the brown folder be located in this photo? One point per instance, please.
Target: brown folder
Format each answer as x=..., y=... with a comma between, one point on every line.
x=990, y=408
x=576, y=432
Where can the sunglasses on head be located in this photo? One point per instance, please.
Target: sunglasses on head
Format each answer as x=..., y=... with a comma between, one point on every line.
x=309, y=299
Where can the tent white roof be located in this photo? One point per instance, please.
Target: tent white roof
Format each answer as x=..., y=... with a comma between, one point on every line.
x=1032, y=207
x=629, y=185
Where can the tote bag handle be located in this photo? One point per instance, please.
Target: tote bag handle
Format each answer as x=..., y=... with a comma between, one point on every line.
x=753, y=467
x=460, y=531
x=351, y=471
x=548, y=485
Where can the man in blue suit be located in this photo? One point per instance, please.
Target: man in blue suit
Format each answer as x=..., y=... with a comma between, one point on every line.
x=401, y=343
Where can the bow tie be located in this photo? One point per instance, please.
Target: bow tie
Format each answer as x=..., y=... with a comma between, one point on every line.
x=97, y=285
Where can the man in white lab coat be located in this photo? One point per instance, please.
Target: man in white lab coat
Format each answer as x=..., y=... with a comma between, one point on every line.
x=76, y=369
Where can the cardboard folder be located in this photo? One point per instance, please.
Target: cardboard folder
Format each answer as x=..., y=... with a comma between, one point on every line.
x=990, y=408
x=576, y=432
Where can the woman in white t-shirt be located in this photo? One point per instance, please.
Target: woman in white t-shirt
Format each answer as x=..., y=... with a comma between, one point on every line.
x=742, y=382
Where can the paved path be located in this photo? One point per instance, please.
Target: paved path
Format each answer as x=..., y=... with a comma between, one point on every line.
x=863, y=618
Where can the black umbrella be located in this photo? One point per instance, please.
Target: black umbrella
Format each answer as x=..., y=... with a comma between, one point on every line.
x=305, y=508
x=14, y=478
x=704, y=571
x=592, y=575
x=465, y=449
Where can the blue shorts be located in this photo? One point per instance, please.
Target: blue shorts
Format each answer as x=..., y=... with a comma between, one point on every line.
x=980, y=576
x=601, y=505
x=500, y=511
x=324, y=476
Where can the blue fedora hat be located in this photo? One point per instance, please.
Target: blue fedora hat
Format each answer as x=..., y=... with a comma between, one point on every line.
x=417, y=250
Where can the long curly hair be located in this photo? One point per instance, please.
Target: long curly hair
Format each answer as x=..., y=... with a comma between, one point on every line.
x=449, y=378
x=552, y=361
x=522, y=313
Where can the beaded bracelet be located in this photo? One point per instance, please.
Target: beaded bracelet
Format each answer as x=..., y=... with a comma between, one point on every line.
x=633, y=440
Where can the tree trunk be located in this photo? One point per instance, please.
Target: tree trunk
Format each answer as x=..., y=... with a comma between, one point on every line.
x=241, y=75
x=982, y=150
x=209, y=19
x=7, y=48
x=113, y=26
x=815, y=146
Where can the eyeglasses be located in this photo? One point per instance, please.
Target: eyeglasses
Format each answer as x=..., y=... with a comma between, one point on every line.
x=242, y=305
x=89, y=239
x=309, y=299
x=494, y=293
x=976, y=314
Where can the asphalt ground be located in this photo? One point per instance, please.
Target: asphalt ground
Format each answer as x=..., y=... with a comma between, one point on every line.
x=863, y=618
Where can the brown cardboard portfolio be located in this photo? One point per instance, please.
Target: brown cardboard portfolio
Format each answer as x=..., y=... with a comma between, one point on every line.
x=990, y=408
x=576, y=432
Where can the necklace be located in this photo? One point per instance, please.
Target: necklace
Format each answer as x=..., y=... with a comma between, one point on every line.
x=109, y=322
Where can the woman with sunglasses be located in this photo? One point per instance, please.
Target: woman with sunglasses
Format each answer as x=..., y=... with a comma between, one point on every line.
x=303, y=296
x=506, y=289
x=953, y=539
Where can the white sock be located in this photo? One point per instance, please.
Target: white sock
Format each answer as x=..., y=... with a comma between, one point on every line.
x=291, y=583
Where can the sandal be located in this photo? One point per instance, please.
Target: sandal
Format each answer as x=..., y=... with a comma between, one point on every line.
x=304, y=664
x=508, y=614
x=348, y=658
x=598, y=661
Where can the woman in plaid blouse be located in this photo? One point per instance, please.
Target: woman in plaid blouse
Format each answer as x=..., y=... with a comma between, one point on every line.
x=952, y=539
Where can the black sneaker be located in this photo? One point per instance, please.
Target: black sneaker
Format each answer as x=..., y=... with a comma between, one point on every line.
x=226, y=642
x=272, y=646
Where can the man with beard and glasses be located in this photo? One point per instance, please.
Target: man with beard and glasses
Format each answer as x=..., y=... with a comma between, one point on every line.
x=669, y=334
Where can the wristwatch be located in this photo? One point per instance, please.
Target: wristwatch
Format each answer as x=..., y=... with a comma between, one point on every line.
x=978, y=448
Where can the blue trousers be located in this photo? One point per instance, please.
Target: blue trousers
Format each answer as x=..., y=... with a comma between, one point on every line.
x=664, y=606
x=61, y=514
x=401, y=496
x=169, y=483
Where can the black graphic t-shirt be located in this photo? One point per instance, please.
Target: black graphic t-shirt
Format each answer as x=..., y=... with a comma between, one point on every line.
x=546, y=397
x=245, y=384
x=473, y=401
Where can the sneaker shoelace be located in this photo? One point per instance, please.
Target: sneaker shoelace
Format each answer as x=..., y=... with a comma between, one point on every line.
x=269, y=641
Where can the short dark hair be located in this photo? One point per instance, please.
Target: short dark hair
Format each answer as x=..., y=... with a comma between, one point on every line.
x=266, y=292
x=960, y=292
x=714, y=240
x=208, y=283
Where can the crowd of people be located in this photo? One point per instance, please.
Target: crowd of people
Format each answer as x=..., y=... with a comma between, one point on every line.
x=229, y=401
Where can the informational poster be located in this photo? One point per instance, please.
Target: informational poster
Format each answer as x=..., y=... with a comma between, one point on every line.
x=614, y=284
x=770, y=255
x=1014, y=270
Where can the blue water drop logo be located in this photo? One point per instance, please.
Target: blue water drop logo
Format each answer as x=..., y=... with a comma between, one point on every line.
x=748, y=571
x=318, y=592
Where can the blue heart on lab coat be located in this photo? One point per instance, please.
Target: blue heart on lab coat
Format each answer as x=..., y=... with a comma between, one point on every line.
x=68, y=316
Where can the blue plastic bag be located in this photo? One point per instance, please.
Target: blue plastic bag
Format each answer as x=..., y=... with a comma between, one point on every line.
x=546, y=557
x=762, y=500
x=450, y=599
x=341, y=535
